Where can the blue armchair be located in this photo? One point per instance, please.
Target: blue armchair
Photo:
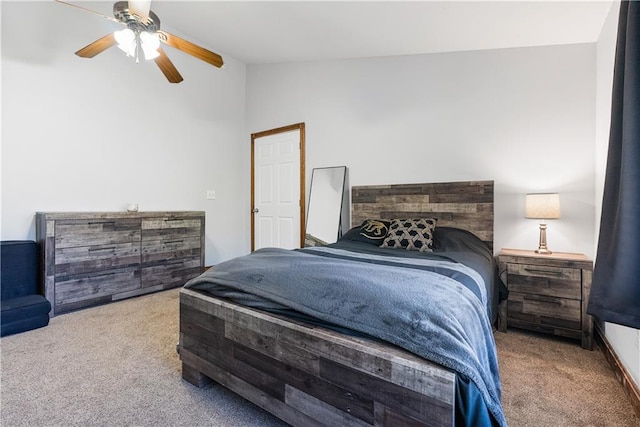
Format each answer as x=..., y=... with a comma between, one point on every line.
x=23, y=306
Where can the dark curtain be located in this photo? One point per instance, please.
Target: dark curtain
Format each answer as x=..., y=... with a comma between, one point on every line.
x=615, y=293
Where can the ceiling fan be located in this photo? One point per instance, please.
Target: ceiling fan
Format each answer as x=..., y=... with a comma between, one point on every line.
x=142, y=33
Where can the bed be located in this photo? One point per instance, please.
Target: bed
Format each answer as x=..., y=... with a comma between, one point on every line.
x=355, y=334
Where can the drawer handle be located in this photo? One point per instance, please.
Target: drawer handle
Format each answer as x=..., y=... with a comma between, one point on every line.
x=101, y=222
x=546, y=299
x=536, y=271
x=92, y=249
x=173, y=219
x=103, y=274
x=174, y=241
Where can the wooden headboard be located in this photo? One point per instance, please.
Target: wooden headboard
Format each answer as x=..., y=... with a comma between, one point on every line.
x=466, y=204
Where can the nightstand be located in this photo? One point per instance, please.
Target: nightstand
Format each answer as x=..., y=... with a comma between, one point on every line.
x=547, y=293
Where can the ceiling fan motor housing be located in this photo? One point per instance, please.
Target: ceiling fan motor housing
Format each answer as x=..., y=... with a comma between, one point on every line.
x=134, y=22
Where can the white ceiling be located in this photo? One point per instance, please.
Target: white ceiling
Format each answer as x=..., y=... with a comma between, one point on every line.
x=261, y=32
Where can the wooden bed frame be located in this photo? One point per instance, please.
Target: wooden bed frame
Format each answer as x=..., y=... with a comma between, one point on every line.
x=308, y=375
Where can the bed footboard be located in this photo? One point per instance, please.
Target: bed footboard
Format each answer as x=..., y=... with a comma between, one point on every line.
x=308, y=375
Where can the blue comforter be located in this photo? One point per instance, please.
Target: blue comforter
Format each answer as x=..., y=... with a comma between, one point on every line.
x=432, y=306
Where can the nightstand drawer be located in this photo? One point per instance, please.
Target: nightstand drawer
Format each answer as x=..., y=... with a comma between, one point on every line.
x=545, y=280
x=545, y=310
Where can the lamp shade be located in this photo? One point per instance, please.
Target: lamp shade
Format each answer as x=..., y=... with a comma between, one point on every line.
x=542, y=206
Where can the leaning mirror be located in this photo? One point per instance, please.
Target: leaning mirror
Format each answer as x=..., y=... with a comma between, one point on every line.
x=326, y=201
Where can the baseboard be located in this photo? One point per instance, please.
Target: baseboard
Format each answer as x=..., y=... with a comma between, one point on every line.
x=621, y=373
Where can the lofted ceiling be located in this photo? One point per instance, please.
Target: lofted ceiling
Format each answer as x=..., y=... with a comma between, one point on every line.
x=261, y=32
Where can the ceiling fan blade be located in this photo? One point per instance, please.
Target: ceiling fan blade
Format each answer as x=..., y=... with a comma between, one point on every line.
x=140, y=8
x=110, y=18
x=191, y=49
x=98, y=46
x=166, y=66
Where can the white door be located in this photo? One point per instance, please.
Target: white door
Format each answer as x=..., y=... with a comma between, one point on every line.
x=277, y=188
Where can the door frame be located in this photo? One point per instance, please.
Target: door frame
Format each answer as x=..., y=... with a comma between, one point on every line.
x=283, y=129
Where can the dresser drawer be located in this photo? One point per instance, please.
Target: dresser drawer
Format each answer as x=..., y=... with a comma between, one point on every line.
x=87, y=259
x=171, y=274
x=552, y=281
x=545, y=310
x=170, y=228
x=91, y=289
x=74, y=233
x=170, y=249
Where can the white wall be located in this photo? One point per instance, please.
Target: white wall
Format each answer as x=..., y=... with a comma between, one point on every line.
x=522, y=117
x=625, y=341
x=96, y=134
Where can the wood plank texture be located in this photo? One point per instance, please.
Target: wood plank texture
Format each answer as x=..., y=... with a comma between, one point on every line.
x=172, y=273
x=172, y=251
x=543, y=280
x=465, y=204
x=86, y=259
x=154, y=251
x=98, y=231
x=309, y=375
x=92, y=258
x=547, y=293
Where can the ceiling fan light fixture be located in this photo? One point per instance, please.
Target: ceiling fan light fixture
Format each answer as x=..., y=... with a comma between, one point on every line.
x=126, y=40
x=142, y=33
x=150, y=43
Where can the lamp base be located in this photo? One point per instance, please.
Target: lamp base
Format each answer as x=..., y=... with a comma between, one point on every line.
x=542, y=245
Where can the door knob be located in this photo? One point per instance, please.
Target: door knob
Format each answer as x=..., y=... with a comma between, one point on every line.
x=256, y=210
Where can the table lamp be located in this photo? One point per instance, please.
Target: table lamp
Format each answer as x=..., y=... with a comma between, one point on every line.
x=542, y=206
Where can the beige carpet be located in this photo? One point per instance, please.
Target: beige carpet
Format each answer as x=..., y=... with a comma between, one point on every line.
x=548, y=381
x=116, y=365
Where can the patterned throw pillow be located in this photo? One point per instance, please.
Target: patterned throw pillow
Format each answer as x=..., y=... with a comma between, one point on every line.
x=372, y=231
x=411, y=234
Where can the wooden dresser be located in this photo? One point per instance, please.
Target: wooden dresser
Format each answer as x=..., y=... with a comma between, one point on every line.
x=92, y=258
x=547, y=293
